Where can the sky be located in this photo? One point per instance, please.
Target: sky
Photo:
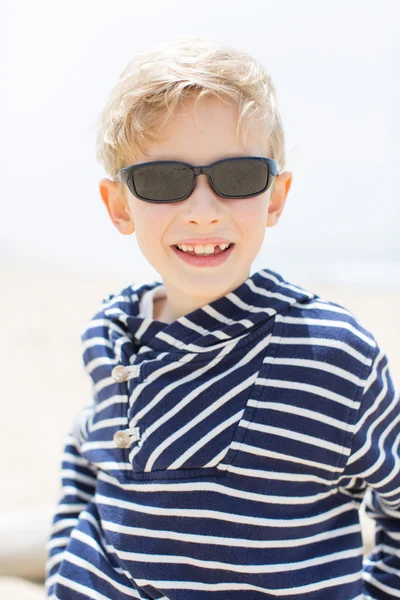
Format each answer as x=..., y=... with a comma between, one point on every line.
x=334, y=69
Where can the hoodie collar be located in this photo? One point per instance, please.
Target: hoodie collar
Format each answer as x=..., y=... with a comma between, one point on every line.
x=258, y=299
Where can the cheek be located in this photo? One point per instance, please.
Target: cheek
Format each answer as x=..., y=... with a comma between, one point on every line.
x=151, y=221
x=251, y=214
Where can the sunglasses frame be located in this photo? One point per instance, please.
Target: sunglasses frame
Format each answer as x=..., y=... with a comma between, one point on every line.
x=125, y=175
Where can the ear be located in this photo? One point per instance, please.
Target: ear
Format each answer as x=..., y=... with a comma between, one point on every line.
x=117, y=206
x=278, y=197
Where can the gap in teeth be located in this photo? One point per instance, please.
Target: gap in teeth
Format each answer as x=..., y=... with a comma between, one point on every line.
x=185, y=247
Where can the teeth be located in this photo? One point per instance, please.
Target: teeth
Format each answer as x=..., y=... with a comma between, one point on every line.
x=200, y=249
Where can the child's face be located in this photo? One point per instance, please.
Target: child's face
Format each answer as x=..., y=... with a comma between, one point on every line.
x=203, y=213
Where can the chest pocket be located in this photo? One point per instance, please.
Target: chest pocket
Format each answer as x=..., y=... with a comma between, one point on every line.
x=176, y=419
x=187, y=419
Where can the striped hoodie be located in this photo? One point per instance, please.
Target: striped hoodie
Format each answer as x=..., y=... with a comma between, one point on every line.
x=226, y=454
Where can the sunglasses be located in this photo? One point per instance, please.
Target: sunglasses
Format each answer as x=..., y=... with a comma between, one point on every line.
x=173, y=180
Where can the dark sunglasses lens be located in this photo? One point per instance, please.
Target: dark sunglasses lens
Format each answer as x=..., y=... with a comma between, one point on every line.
x=241, y=177
x=163, y=181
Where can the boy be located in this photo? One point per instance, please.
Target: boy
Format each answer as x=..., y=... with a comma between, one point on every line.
x=238, y=421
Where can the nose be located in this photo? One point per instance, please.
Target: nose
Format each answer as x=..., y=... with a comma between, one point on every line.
x=202, y=182
x=203, y=205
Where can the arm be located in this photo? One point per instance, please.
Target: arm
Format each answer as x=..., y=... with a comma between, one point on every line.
x=78, y=484
x=373, y=467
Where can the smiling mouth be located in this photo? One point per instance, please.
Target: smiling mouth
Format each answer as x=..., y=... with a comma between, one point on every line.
x=204, y=260
x=217, y=251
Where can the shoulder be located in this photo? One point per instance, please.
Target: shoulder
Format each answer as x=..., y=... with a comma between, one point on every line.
x=332, y=333
x=125, y=300
x=114, y=309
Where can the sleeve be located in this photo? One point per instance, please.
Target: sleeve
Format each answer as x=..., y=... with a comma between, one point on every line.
x=372, y=472
x=78, y=485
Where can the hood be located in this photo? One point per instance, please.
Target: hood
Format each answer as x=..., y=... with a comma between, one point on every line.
x=117, y=332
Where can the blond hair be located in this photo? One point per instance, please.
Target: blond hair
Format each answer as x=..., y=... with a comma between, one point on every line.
x=154, y=82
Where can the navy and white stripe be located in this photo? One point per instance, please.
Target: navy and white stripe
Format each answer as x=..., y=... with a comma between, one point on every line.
x=264, y=419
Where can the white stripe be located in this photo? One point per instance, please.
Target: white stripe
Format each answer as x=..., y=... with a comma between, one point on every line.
x=393, y=593
x=97, y=341
x=164, y=369
x=283, y=284
x=315, y=364
x=228, y=516
x=326, y=323
x=205, y=439
x=313, y=389
x=70, y=490
x=374, y=408
x=84, y=564
x=218, y=316
x=229, y=541
x=201, y=331
x=295, y=435
x=103, y=383
x=115, y=311
x=54, y=560
x=75, y=460
x=99, y=361
x=240, y=568
x=234, y=298
x=62, y=524
x=112, y=400
x=260, y=291
x=324, y=305
x=373, y=376
x=277, y=476
x=111, y=422
x=100, y=445
x=73, y=474
x=291, y=409
x=66, y=509
x=323, y=342
x=143, y=327
x=383, y=458
x=113, y=465
x=394, y=472
x=214, y=462
x=215, y=587
x=78, y=587
x=56, y=542
x=102, y=341
x=117, y=299
x=280, y=456
x=177, y=343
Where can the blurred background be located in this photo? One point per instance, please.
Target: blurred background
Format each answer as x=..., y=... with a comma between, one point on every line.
x=335, y=68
